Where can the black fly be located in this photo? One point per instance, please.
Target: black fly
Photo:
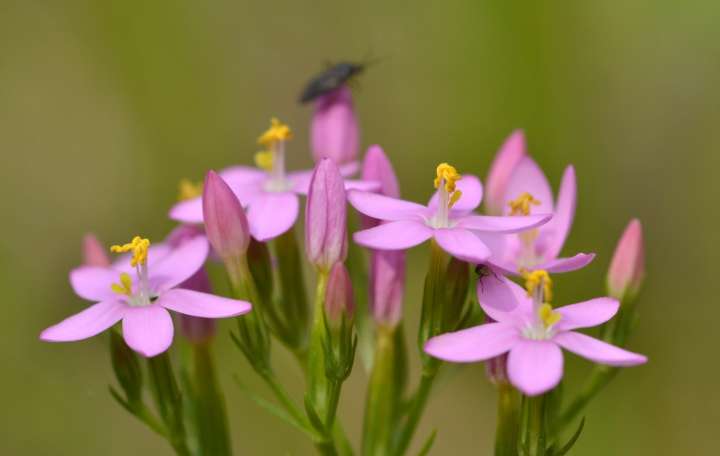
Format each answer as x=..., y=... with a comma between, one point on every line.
x=331, y=79
x=483, y=271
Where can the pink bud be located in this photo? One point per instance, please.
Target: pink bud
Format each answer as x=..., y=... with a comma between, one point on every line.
x=226, y=225
x=501, y=169
x=325, y=216
x=94, y=254
x=339, y=299
x=387, y=285
x=377, y=167
x=334, y=129
x=627, y=268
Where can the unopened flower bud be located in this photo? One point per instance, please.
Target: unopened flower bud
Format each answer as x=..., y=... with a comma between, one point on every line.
x=334, y=129
x=339, y=301
x=325, y=217
x=94, y=254
x=377, y=167
x=387, y=286
x=627, y=268
x=501, y=169
x=226, y=225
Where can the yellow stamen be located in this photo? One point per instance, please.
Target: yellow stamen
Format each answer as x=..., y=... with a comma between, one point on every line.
x=539, y=278
x=450, y=176
x=125, y=285
x=548, y=316
x=139, y=248
x=521, y=204
x=188, y=190
x=264, y=160
x=278, y=131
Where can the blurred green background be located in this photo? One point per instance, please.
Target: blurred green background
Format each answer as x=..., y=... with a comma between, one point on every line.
x=105, y=105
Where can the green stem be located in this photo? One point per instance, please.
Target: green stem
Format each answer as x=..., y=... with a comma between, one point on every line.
x=417, y=407
x=291, y=293
x=507, y=421
x=211, y=415
x=600, y=377
x=317, y=378
x=169, y=401
x=282, y=396
x=533, y=440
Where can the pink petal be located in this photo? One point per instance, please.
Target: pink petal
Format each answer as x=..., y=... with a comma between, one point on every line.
x=394, y=235
x=627, y=267
x=188, y=211
x=528, y=177
x=148, y=330
x=597, y=350
x=587, y=314
x=247, y=183
x=474, y=344
x=559, y=227
x=383, y=207
x=90, y=322
x=567, y=264
x=301, y=180
x=377, y=167
x=535, y=366
x=334, y=131
x=94, y=254
x=179, y=264
x=93, y=283
x=472, y=192
x=500, y=297
x=272, y=214
x=462, y=244
x=197, y=304
x=348, y=169
x=507, y=158
x=362, y=185
x=502, y=224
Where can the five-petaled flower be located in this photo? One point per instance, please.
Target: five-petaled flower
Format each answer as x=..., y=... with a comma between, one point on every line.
x=447, y=218
x=269, y=192
x=532, y=333
x=139, y=289
x=517, y=186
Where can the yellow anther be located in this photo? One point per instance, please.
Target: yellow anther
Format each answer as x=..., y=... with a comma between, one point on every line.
x=139, y=248
x=188, y=190
x=539, y=278
x=264, y=160
x=454, y=198
x=447, y=173
x=521, y=204
x=278, y=131
x=125, y=285
x=548, y=316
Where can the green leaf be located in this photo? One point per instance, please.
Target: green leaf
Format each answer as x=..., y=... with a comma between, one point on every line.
x=564, y=450
x=428, y=444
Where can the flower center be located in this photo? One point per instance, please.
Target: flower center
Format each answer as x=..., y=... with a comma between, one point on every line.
x=527, y=256
x=539, y=287
x=445, y=179
x=188, y=190
x=142, y=296
x=272, y=159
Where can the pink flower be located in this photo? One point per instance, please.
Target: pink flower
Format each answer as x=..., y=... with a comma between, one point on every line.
x=334, y=129
x=139, y=289
x=269, y=193
x=532, y=333
x=387, y=267
x=447, y=218
x=325, y=217
x=627, y=268
x=520, y=188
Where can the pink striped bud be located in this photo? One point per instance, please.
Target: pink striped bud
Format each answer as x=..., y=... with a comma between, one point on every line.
x=501, y=169
x=339, y=301
x=94, y=254
x=226, y=225
x=334, y=129
x=377, y=167
x=387, y=286
x=325, y=217
x=627, y=268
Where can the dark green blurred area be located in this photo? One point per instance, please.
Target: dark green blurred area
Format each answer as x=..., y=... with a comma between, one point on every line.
x=104, y=106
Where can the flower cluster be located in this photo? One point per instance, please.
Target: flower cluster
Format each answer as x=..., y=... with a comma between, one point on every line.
x=244, y=217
